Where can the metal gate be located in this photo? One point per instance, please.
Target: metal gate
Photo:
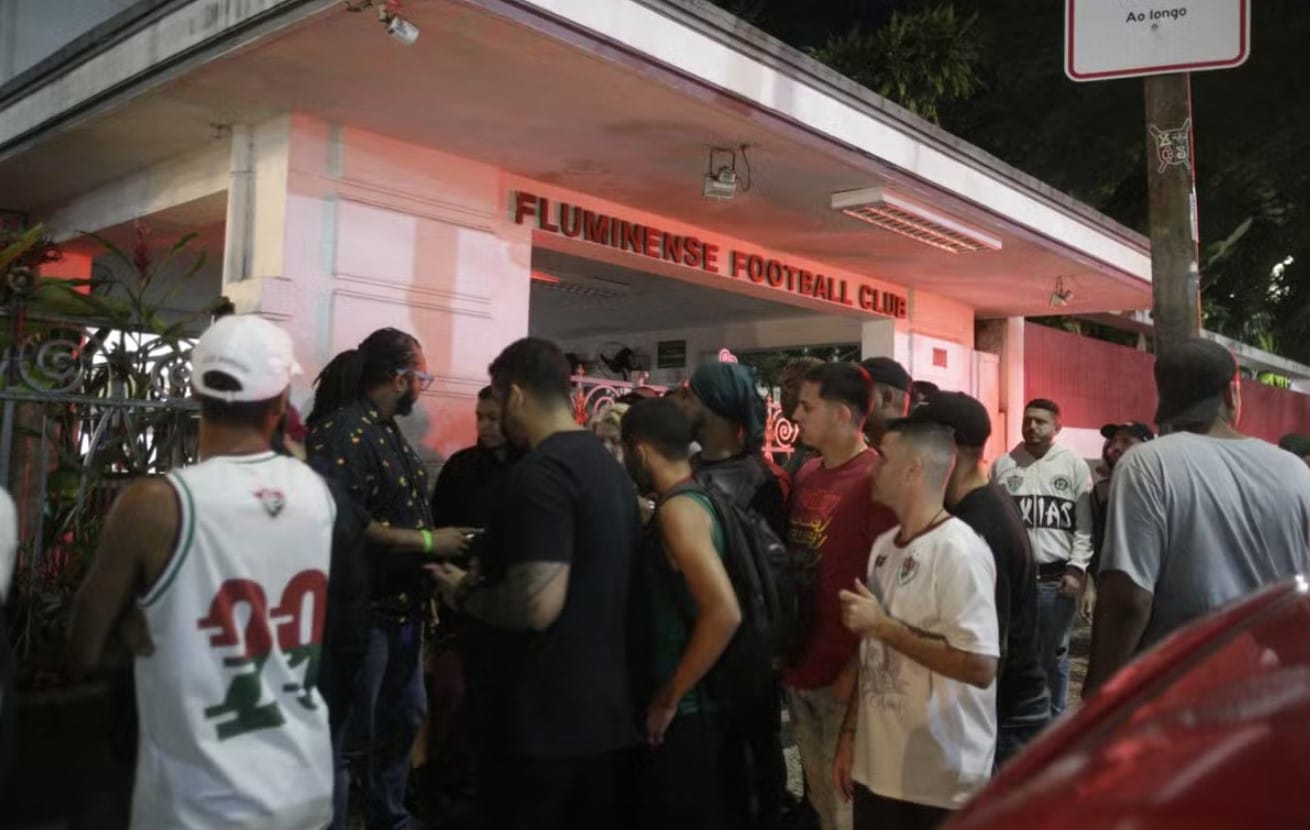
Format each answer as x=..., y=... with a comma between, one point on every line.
x=85, y=410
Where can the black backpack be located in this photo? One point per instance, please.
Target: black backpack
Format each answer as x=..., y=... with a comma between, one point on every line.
x=741, y=482
x=742, y=679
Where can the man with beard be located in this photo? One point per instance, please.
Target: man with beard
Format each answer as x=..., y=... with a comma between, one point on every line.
x=1119, y=439
x=891, y=395
x=354, y=440
x=548, y=592
x=727, y=415
x=1052, y=486
x=1199, y=517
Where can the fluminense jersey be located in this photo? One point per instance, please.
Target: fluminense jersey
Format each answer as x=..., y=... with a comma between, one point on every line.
x=1054, y=496
x=233, y=731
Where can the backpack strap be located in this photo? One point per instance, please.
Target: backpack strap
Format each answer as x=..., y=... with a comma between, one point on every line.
x=668, y=578
x=690, y=485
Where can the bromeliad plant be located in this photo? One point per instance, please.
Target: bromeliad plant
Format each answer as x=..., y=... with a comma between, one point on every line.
x=98, y=374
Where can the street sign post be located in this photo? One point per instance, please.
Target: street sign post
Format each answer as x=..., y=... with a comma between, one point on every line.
x=1133, y=38
x=1163, y=42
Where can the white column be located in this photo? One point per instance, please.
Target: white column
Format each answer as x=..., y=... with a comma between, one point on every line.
x=878, y=338
x=1012, y=380
x=258, y=170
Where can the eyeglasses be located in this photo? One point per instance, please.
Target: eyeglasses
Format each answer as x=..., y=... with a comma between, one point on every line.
x=424, y=379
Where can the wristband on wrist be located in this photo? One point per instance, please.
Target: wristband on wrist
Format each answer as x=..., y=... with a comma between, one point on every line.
x=427, y=540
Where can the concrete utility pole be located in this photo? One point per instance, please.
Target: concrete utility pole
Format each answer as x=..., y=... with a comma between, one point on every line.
x=1171, y=184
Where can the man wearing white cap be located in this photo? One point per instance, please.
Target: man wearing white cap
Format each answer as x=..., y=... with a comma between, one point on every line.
x=225, y=563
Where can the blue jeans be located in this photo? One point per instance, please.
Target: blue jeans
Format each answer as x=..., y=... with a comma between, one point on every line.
x=389, y=706
x=1054, y=621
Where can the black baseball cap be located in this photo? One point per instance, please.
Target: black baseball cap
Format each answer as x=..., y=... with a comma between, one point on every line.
x=1295, y=443
x=1137, y=429
x=962, y=413
x=1190, y=378
x=888, y=372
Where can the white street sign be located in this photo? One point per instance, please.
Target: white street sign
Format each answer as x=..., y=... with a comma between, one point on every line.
x=1130, y=38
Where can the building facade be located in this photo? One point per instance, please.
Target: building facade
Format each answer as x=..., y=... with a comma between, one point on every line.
x=540, y=166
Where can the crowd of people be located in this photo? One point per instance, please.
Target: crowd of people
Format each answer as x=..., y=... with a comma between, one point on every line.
x=627, y=606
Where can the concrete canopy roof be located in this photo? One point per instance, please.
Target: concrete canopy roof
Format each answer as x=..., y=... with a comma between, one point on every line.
x=549, y=97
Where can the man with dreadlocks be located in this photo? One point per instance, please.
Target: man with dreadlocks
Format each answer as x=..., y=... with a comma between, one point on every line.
x=353, y=441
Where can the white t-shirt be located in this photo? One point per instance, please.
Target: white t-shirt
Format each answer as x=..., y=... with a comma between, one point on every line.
x=8, y=541
x=922, y=737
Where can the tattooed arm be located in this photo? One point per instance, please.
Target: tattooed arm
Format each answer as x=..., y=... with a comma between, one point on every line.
x=529, y=597
x=528, y=549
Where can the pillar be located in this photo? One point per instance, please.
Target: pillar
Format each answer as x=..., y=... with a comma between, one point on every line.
x=335, y=232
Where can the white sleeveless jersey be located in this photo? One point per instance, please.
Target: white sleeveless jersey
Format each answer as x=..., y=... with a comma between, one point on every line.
x=233, y=731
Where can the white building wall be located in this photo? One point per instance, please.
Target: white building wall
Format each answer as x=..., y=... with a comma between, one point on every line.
x=369, y=232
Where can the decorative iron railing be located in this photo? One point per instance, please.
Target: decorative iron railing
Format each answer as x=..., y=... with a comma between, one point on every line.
x=592, y=396
x=85, y=410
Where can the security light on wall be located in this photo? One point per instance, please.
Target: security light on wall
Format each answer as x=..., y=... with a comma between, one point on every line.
x=890, y=211
x=1061, y=296
x=721, y=180
x=389, y=16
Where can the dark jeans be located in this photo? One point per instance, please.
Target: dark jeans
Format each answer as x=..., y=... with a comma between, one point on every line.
x=765, y=769
x=591, y=792
x=1054, y=621
x=1013, y=734
x=338, y=681
x=389, y=706
x=694, y=779
x=446, y=784
x=873, y=812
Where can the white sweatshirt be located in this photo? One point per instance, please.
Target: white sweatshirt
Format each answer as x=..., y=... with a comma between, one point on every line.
x=1054, y=495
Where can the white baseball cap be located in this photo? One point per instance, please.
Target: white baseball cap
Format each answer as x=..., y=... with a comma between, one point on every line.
x=252, y=351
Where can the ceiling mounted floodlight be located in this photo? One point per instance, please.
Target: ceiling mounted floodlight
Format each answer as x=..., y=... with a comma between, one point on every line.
x=389, y=16
x=1061, y=296
x=721, y=180
x=890, y=211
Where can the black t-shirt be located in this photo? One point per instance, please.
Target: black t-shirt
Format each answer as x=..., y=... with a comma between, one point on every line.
x=467, y=491
x=565, y=691
x=1020, y=682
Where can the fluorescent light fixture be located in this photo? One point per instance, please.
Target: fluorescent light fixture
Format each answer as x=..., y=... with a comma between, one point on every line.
x=579, y=285
x=890, y=211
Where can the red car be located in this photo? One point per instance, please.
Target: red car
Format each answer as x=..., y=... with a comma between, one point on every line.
x=1211, y=729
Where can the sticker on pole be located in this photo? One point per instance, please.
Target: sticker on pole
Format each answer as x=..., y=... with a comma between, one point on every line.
x=1132, y=38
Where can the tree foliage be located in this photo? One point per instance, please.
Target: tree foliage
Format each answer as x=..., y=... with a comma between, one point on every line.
x=921, y=59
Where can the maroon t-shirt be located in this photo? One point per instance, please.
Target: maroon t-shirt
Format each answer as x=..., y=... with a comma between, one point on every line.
x=832, y=525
